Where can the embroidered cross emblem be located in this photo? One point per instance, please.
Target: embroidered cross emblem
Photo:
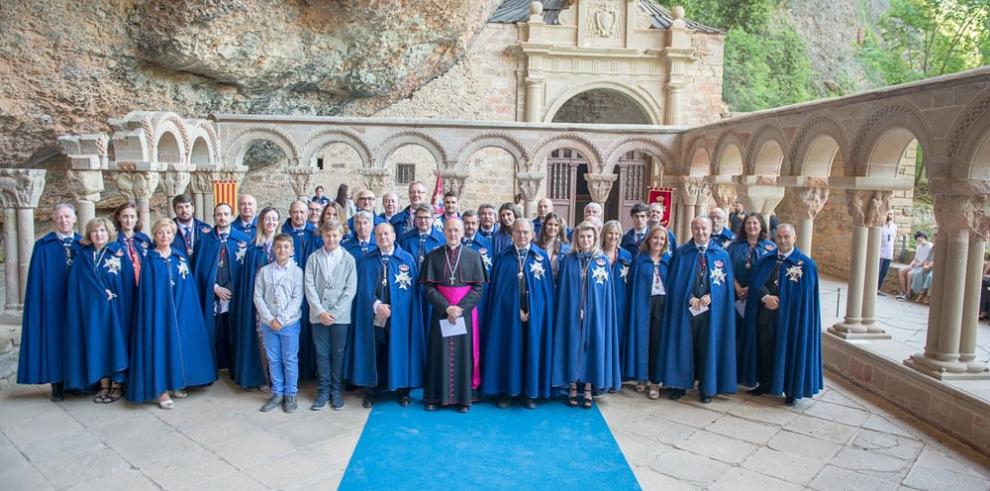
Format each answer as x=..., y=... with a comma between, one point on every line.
x=537, y=270
x=794, y=273
x=718, y=276
x=403, y=280
x=600, y=275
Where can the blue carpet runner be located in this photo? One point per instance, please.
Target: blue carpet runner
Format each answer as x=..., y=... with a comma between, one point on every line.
x=553, y=447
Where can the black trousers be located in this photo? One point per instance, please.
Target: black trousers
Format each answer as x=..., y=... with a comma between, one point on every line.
x=330, y=343
x=657, y=303
x=224, y=341
x=766, y=336
x=700, y=332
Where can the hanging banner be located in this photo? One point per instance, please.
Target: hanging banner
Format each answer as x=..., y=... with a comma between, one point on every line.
x=225, y=192
x=663, y=196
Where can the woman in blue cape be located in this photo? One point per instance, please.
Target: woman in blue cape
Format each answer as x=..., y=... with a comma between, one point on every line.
x=621, y=262
x=585, y=337
x=784, y=345
x=170, y=348
x=96, y=340
x=43, y=326
x=135, y=245
x=647, y=297
x=553, y=240
x=751, y=244
x=250, y=365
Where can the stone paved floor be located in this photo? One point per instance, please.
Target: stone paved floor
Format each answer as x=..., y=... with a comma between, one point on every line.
x=907, y=324
x=216, y=439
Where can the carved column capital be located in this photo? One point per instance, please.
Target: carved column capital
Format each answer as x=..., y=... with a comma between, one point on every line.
x=599, y=185
x=22, y=187
x=374, y=179
x=725, y=195
x=868, y=208
x=453, y=180
x=300, y=178
x=137, y=184
x=201, y=182
x=694, y=190
x=175, y=182
x=807, y=202
x=85, y=185
x=956, y=213
x=529, y=183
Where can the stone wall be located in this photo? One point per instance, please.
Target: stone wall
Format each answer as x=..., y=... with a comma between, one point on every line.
x=701, y=99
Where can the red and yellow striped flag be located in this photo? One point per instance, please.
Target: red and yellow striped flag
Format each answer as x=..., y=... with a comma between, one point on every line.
x=225, y=192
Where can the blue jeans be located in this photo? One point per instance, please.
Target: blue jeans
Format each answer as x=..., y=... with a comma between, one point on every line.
x=884, y=266
x=282, y=350
x=330, y=342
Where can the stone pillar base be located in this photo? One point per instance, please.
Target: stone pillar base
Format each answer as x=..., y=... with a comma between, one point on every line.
x=945, y=370
x=856, y=332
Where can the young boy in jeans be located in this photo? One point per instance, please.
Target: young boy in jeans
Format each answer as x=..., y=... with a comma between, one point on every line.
x=278, y=297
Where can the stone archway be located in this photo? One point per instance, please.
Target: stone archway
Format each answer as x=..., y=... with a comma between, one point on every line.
x=601, y=106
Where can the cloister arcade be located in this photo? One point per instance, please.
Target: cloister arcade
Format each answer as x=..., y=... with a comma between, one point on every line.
x=845, y=149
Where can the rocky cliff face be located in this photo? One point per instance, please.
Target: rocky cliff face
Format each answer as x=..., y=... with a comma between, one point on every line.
x=68, y=66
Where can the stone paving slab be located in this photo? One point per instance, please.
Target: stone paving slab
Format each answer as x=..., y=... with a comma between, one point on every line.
x=218, y=440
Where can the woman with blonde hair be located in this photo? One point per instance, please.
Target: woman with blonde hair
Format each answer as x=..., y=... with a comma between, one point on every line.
x=621, y=262
x=646, y=300
x=586, y=339
x=170, y=347
x=96, y=332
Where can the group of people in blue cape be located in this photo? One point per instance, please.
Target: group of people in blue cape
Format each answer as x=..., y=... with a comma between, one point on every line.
x=465, y=305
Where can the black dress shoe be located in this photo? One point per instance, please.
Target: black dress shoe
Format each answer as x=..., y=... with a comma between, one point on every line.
x=529, y=403
x=759, y=391
x=430, y=406
x=464, y=408
x=404, y=400
x=790, y=401
x=58, y=392
x=503, y=402
x=705, y=398
x=675, y=394
x=366, y=401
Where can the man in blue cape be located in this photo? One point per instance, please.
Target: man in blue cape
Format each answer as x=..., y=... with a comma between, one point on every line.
x=517, y=341
x=385, y=343
x=217, y=268
x=365, y=201
x=189, y=229
x=634, y=237
x=247, y=219
x=698, y=342
x=304, y=242
x=43, y=328
x=405, y=220
x=424, y=237
x=782, y=336
x=361, y=241
x=721, y=235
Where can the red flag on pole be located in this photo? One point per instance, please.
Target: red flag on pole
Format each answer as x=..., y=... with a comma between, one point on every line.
x=437, y=200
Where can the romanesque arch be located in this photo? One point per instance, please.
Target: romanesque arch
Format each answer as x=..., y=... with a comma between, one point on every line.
x=968, y=144
x=497, y=140
x=660, y=153
x=728, y=157
x=884, y=135
x=765, y=151
x=320, y=139
x=815, y=146
x=647, y=104
x=241, y=142
x=697, y=158
x=587, y=149
x=397, y=140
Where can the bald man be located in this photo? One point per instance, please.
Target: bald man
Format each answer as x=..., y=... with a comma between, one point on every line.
x=721, y=235
x=246, y=222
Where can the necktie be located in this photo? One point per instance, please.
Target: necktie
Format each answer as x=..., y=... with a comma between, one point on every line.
x=135, y=260
x=422, y=248
x=187, y=236
x=639, y=237
x=223, y=249
x=67, y=244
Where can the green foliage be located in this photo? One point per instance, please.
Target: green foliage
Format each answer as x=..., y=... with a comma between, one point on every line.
x=766, y=61
x=918, y=39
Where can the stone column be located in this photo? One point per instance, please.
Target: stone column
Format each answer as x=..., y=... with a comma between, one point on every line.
x=534, y=100
x=806, y=203
x=374, y=179
x=453, y=179
x=599, y=185
x=950, y=348
x=201, y=185
x=878, y=204
x=679, y=55
x=865, y=208
x=300, y=178
x=87, y=159
x=11, y=280
x=529, y=185
x=175, y=180
x=695, y=191
x=22, y=188
x=139, y=186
